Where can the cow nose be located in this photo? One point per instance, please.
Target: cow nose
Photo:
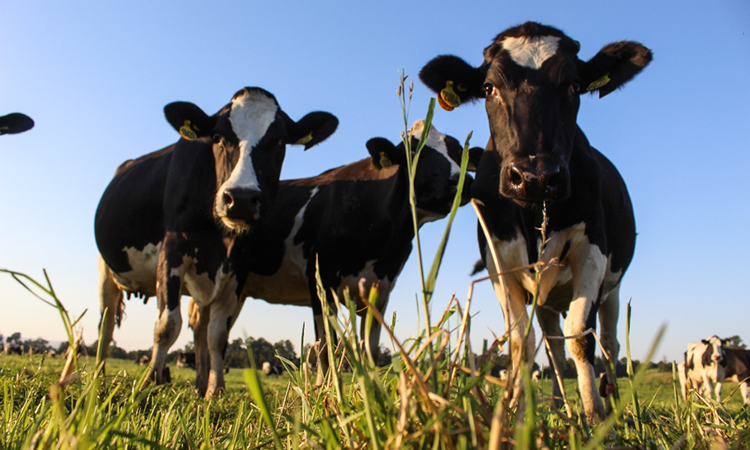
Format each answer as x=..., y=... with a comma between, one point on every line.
x=545, y=183
x=241, y=203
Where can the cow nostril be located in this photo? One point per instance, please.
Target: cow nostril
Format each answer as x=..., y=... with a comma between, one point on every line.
x=227, y=199
x=516, y=177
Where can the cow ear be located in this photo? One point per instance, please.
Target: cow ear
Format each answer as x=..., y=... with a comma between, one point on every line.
x=453, y=80
x=312, y=129
x=15, y=123
x=384, y=154
x=613, y=66
x=475, y=154
x=189, y=120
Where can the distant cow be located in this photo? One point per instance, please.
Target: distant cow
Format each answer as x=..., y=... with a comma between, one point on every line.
x=355, y=221
x=13, y=349
x=738, y=370
x=269, y=370
x=174, y=221
x=703, y=367
x=15, y=123
x=143, y=360
x=531, y=81
x=186, y=359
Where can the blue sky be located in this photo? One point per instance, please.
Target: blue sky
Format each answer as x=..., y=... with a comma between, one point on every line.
x=96, y=75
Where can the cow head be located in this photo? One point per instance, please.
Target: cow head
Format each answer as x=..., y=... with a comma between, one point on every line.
x=248, y=139
x=438, y=168
x=15, y=123
x=714, y=351
x=531, y=80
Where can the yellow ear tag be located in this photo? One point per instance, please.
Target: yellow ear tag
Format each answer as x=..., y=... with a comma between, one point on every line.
x=385, y=162
x=304, y=140
x=448, y=100
x=187, y=132
x=598, y=83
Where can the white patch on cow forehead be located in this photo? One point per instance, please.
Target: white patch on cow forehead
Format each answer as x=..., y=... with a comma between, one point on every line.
x=531, y=52
x=436, y=141
x=251, y=115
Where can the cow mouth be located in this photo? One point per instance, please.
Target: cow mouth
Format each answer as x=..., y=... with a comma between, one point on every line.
x=237, y=226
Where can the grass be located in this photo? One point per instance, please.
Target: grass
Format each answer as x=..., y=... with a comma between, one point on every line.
x=436, y=394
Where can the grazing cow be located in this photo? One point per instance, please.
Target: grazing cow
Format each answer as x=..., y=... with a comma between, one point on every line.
x=355, y=221
x=175, y=221
x=186, y=359
x=703, y=368
x=15, y=123
x=143, y=360
x=738, y=370
x=269, y=370
x=538, y=158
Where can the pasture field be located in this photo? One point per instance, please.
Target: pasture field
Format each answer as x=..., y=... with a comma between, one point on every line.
x=436, y=394
x=95, y=411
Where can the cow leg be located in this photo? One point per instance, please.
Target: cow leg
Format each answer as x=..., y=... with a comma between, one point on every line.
x=199, y=319
x=512, y=298
x=223, y=313
x=609, y=313
x=372, y=340
x=549, y=321
x=745, y=391
x=170, y=273
x=110, y=300
x=588, y=269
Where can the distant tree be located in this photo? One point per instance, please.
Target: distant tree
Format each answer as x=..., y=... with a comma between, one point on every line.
x=262, y=351
x=14, y=338
x=735, y=342
x=236, y=355
x=385, y=357
x=285, y=349
x=39, y=345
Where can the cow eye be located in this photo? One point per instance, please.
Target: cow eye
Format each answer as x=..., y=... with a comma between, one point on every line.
x=575, y=88
x=217, y=138
x=489, y=89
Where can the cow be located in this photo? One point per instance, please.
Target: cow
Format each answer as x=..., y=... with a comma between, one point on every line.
x=269, y=370
x=175, y=221
x=143, y=360
x=703, y=367
x=15, y=123
x=186, y=360
x=538, y=163
x=737, y=369
x=355, y=223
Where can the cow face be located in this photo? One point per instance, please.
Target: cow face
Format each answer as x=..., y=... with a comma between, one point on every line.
x=438, y=168
x=531, y=80
x=248, y=140
x=714, y=352
x=15, y=123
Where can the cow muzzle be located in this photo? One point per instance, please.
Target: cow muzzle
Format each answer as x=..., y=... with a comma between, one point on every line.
x=238, y=208
x=535, y=184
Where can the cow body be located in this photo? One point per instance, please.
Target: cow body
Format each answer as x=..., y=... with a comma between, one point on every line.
x=538, y=160
x=355, y=221
x=175, y=221
x=15, y=123
x=738, y=370
x=703, y=367
x=709, y=363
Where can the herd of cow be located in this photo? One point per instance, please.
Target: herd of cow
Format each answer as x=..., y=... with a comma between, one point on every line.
x=208, y=216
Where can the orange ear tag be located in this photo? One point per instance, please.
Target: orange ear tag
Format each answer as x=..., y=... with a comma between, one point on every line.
x=187, y=132
x=448, y=99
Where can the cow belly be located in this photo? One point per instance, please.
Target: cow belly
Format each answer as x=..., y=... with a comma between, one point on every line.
x=142, y=277
x=285, y=287
x=204, y=287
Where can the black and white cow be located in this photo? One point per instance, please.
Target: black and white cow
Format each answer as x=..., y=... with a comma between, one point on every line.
x=15, y=123
x=703, y=367
x=738, y=370
x=175, y=221
x=531, y=81
x=356, y=221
